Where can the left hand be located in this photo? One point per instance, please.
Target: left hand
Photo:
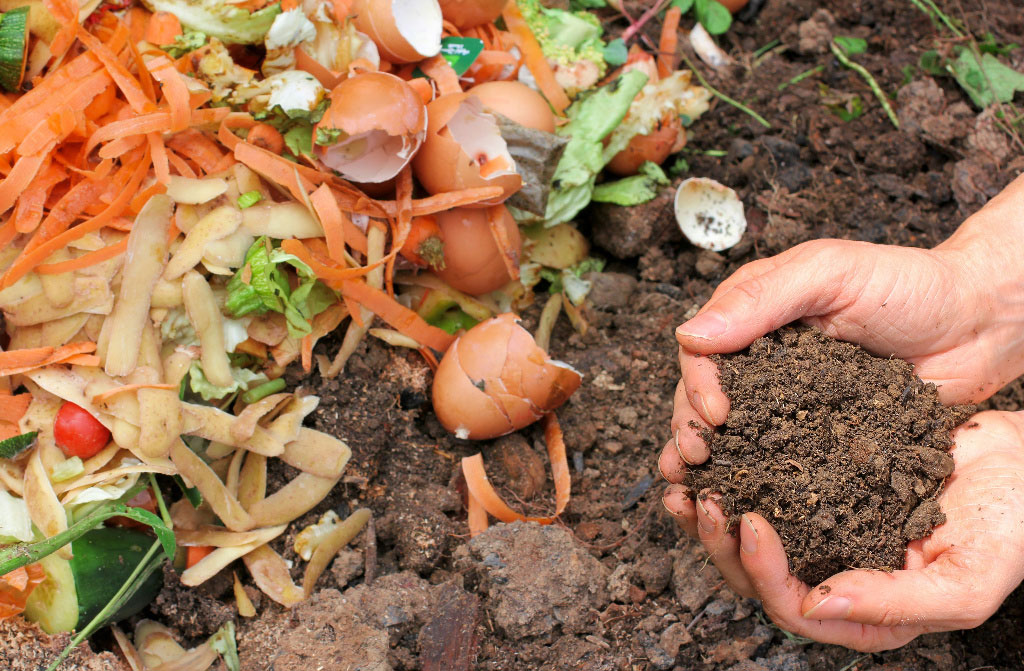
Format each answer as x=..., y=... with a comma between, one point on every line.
x=954, y=579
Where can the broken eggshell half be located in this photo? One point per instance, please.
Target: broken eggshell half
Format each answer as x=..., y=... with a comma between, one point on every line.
x=405, y=31
x=464, y=149
x=468, y=13
x=473, y=260
x=709, y=214
x=372, y=128
x=494, y=380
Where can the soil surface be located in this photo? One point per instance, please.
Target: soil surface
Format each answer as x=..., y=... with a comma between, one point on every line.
x=616, y=585
x=843, y=452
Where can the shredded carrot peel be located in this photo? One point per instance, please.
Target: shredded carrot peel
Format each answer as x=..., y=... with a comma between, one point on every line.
x=482, y=493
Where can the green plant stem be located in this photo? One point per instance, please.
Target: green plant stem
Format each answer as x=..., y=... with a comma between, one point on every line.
x=150, y=562
x=871, y=81
x=766, y=48
x=944, y=18
x=936, y=15
x=263, y=390
x=724, y=98
x=800, y=77
x=164, y=514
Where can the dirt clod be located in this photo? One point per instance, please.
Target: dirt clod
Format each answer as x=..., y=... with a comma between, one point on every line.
x=535, y=578
x=25, y=647
x=843, y=452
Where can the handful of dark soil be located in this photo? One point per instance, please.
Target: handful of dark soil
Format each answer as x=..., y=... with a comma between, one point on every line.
x=843, y=452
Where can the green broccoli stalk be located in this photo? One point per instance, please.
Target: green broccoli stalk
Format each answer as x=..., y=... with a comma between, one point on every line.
x=571, y=41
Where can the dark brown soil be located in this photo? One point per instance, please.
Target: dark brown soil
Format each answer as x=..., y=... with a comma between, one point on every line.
x=843, y=452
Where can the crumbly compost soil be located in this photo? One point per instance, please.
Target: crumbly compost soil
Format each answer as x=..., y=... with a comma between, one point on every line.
x=842, y=451
x=414, y=590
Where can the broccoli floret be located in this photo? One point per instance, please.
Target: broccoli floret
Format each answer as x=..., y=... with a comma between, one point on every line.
x=571, y=42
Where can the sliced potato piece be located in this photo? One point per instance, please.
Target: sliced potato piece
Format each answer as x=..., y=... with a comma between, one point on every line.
x=43, y=506
x=227, y=507
x=203, y=312
x=281, y=220
x=160, y=415
x=195, y=191
x=218, y=224
x=145, y=260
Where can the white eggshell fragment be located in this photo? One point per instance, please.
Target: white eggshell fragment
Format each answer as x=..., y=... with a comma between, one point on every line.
x=709, y=214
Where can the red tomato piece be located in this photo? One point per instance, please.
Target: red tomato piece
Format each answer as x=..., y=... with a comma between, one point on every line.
x=79, y=434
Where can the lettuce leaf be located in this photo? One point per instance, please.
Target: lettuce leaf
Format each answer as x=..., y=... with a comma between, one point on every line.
x=262, y=285
x=634, y=190
x=592, y=118
x=219, y=19
x=243, y=379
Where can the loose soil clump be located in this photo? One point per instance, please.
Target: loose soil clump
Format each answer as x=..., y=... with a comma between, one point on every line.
x=842, y=451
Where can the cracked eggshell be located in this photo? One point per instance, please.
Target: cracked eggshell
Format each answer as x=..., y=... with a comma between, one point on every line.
x=382, y=122
x=494, y=380
x=518, y=102
x=709, y=214
x=655, y=146
x=473, y=263
x=468, y=13
x=464, y=149
x=405, y=31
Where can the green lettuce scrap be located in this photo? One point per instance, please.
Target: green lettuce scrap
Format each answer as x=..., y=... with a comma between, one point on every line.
x=591, y=119
x=244, y=378
x=220, y=19
x=634, y=190
x=570, y=280
x=268, y=288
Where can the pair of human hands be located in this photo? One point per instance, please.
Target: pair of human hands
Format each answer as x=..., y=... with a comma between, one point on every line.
x=957, y=314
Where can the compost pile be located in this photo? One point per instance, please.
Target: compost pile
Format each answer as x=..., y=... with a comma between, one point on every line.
x=843, y=452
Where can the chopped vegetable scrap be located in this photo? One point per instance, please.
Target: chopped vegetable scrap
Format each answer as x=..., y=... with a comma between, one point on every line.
x=194, y=193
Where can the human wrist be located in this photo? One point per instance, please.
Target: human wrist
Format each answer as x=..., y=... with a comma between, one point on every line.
x=986, y=258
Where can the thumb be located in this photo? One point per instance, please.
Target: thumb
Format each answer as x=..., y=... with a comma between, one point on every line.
x=804, y=285
x=944, y=595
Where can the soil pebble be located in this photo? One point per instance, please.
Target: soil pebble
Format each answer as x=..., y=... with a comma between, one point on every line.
x=843, y=452
x=534, y=578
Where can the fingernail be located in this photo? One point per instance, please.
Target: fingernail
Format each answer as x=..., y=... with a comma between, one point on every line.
x=705, y=521
x=705, y=326
x=748, y=542
x=672, y=490
x=698, y=400
x=831, y=608
x=679, y=449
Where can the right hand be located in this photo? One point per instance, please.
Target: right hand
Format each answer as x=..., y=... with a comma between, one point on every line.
x=956, y=312
x=926, y=306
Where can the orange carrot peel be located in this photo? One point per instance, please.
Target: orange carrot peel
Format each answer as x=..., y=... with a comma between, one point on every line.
x=482, y=495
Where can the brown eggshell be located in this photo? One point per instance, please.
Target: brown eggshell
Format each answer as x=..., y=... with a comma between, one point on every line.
x=443, y=165
x=654, y=147
x=518, y=102
x=473, y=262
x=494, y=380
x=734, y=5
x=373, y=102
x=382, y=21
x=468, y=13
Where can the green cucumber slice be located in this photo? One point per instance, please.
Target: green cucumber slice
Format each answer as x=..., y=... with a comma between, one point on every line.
x=75, y=591
x=53, y=604
x=104, y=559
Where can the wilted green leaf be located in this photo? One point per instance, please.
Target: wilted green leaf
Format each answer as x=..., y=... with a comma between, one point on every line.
x=615, y=52
x=852, y=45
